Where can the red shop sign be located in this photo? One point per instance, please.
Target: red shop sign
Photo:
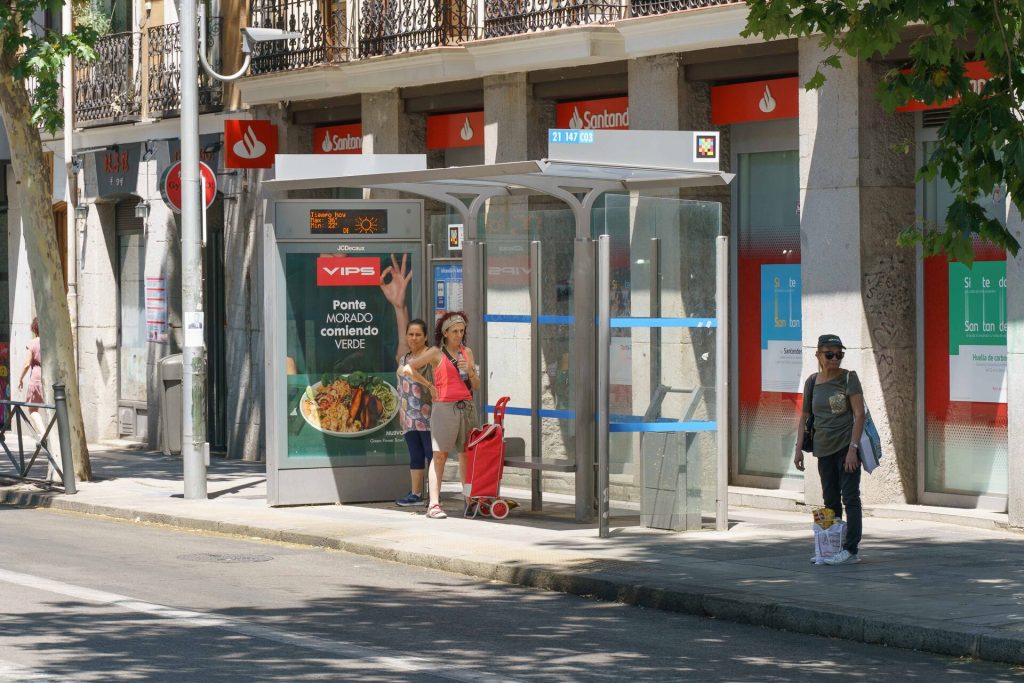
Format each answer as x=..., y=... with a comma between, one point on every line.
x=976, y=71
x=347, y=271
x=170, y=185
x=447, y=131
x=609, y=113
x=346, y=138
x=249, y=143
x=755, y=101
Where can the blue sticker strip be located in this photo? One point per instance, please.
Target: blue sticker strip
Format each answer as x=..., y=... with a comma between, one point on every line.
x=622, y=423
x=543, y=320
x=664, y=322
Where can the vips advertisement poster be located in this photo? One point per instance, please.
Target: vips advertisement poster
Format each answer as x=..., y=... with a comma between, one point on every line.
x=781, y=353
x=977, y=332
x=346, y=317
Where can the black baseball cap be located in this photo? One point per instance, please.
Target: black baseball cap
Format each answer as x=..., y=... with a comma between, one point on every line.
x=830, y=340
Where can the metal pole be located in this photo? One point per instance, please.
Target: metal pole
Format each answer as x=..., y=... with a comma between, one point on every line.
x=603, y=379
x=655, y=308
x=67, y=461
x=584, y=364
x=70, y=184
x=722, y=381
x=536, y=489
x=193, y=419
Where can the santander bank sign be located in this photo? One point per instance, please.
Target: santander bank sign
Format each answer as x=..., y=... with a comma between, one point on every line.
x=610, y=113
x=344, y=139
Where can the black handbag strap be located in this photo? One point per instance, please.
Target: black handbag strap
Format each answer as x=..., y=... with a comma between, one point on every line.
x=809, y=394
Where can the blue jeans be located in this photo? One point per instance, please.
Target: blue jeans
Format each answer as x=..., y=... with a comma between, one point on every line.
x=841, y=489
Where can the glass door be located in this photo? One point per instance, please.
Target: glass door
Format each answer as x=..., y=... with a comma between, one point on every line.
x=962, y=366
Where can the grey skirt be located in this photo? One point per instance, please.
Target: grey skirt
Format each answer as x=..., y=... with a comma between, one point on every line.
x=450, y=424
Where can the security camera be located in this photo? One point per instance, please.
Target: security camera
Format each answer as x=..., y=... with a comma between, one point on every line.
x=253, y=35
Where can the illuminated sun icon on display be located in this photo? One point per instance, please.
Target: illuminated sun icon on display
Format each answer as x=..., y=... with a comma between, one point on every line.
x=366, y=224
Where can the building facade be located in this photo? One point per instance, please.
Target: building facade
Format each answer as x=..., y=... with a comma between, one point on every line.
x=825, y=182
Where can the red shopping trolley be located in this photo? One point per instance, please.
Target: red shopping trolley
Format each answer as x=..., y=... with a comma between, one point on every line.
x=485, y=462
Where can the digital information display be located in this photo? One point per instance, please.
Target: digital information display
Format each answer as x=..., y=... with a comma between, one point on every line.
x=348, y=222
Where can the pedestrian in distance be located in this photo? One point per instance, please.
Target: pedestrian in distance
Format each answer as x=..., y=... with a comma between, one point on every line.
x=33, y=367
x=453, y=414
x=835, y=397
x=415, y=397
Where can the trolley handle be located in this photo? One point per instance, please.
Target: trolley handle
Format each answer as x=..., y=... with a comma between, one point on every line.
x=499, y=409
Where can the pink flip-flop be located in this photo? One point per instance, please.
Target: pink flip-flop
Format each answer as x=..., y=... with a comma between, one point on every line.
x=435, y=511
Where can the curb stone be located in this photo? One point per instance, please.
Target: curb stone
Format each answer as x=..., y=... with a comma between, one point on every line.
x=705, y=601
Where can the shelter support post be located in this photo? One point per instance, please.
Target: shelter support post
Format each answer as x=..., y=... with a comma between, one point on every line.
x=603, y=379
x=722, y=382
x=536, y=489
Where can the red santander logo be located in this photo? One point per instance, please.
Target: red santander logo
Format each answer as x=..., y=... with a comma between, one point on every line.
x=610, y=113
x=347, y=271
x=343, y=139
x=249, y=143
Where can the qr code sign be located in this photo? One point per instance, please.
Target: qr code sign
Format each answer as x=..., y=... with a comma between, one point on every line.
x=705, y=146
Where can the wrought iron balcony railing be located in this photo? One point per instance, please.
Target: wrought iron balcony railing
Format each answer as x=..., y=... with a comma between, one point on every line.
x=323, y=26
x=393, y=26
x=108, y=89
x=163, y=94
x=515, y=17
x=647, y=8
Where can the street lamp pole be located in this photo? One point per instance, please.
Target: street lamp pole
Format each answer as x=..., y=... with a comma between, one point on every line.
x=194, y=449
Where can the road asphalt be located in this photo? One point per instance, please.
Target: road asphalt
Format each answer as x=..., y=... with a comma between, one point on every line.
x=955, y=589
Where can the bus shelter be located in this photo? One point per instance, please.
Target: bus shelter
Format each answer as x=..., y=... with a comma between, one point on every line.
x=597, y=299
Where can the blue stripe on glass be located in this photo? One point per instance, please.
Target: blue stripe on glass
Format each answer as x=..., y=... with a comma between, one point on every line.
x=699, y=426
x=664, y=322
x=543, y=319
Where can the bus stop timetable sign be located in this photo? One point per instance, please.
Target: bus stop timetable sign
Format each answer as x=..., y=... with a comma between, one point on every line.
x=568, y=136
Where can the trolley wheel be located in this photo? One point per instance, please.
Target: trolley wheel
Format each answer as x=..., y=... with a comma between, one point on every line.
x=499, y=509
x=485, y=508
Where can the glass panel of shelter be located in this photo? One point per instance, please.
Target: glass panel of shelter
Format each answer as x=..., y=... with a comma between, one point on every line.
x=662, y=358
x=662, y=368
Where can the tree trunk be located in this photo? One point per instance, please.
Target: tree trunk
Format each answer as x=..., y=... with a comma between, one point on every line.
x=35, y=196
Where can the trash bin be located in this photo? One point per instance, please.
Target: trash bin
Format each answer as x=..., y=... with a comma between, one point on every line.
x=169, y=427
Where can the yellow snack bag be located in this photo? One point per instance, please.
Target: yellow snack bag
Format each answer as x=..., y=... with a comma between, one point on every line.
x=823, y=517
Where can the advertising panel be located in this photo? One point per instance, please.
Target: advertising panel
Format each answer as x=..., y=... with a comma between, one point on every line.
x=344, y=314
x=977, y=332
x=781, y=353
x=447, y=289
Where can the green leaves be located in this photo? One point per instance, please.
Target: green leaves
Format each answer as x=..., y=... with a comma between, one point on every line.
x=36, y=55
x=981, y=148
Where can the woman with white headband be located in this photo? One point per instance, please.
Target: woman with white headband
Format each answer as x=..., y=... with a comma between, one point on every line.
x=453, y=414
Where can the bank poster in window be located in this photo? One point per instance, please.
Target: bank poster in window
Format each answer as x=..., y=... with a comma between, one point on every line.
x=781, y=353
x=977, y=332
x=344, y=314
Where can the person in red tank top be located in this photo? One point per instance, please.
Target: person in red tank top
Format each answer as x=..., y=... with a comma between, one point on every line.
x=453, y=414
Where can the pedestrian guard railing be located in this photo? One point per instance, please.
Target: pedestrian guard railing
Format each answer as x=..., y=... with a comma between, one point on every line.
x=23, y=445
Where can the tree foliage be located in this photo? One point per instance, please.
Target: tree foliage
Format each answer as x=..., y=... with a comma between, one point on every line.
x=35, y=55
x=980, y=149
x=31, y=61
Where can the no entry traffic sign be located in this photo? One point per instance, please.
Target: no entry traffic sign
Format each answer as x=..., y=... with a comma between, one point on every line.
x=170, y=185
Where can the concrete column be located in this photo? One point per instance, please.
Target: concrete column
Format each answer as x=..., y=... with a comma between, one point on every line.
x=857, y=194
x=510, y=120
x=1015, y=373
x=97, y=313
x=388, y=129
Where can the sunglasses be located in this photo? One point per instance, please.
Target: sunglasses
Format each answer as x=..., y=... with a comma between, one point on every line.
x=829, y=355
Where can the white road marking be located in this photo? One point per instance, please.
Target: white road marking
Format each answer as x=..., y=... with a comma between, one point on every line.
x=16, y=673
x=376, y=657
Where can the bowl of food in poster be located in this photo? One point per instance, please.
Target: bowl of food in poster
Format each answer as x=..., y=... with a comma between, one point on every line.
x=349, y=405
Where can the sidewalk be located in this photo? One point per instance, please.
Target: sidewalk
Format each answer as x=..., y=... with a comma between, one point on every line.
x=924, y=585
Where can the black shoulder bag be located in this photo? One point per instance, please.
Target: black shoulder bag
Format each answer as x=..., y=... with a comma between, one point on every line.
x=807, y=444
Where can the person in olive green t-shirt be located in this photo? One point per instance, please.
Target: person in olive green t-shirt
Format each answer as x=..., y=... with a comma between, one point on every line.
x=837, y=403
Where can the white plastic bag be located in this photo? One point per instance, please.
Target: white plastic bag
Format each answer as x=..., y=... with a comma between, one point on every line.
x=828, y=541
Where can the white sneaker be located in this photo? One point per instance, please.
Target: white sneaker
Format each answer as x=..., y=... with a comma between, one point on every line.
x=843, y=557
x=814, y=559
